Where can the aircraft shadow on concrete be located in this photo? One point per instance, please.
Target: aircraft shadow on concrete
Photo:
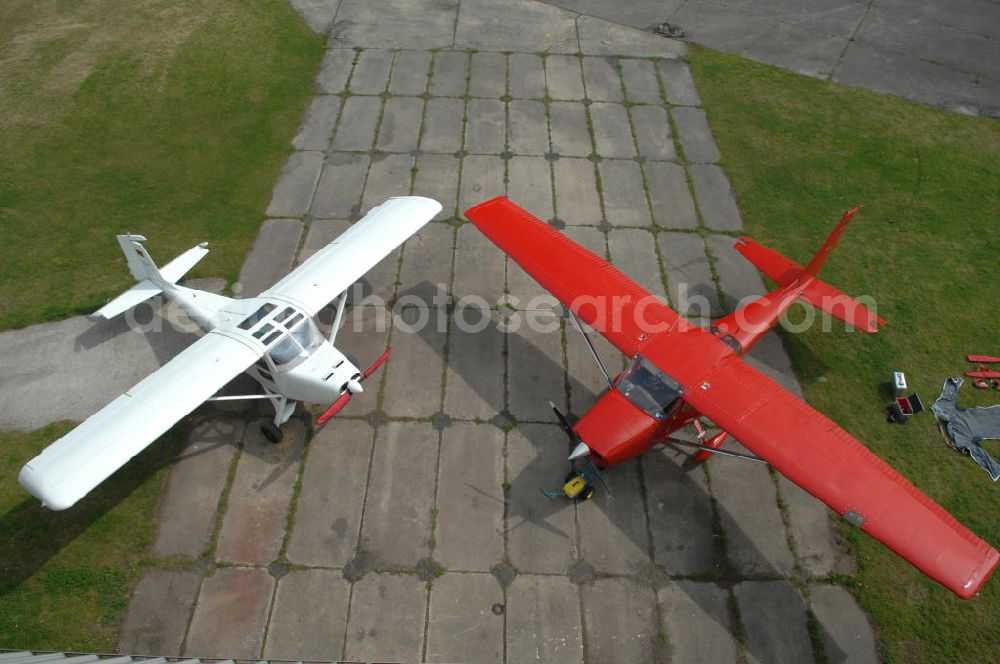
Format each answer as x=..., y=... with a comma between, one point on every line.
x=539, y=512
x=149, y=319
x=38, y=534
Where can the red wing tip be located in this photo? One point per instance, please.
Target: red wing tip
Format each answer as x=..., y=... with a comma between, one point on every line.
x=485, y=204
x=980, y=575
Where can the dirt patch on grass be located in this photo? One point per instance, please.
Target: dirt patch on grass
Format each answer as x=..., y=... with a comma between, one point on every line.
x=48, y=49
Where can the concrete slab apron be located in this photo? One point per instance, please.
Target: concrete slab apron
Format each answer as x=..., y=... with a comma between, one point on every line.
x=940, y=54
x=386, y=504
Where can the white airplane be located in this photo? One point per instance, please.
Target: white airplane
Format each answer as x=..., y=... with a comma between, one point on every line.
x=273, y=338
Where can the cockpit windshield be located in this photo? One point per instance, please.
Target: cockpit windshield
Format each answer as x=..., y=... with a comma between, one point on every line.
x=649, y=388
x=296, y=346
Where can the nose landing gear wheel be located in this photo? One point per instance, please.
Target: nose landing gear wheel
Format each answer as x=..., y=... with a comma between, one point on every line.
x=271, y=432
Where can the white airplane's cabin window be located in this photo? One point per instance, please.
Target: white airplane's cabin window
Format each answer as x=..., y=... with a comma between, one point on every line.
x=262, y=330
x=286, y=312
x=256, y=316
x=308, y=336
x=297, y=346
x=285, y=351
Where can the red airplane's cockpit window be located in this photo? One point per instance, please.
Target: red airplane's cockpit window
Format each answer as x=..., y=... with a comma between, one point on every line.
x=649, y=388
x=256, y=316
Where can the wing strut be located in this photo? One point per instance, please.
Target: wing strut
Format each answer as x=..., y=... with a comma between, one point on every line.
x=590, y=345
x=714, y=450
x=339, y=317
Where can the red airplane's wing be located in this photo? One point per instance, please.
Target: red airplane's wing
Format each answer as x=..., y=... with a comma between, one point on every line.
x=829, y=463
x=600, y=295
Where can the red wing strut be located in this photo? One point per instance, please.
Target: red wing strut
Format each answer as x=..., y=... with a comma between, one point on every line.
x=826, y=461
x=600, y=295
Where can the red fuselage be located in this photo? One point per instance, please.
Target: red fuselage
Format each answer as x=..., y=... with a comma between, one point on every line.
x=616, y=430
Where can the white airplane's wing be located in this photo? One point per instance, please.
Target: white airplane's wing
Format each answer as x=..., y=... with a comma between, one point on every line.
x=76, y=463
x=332, y=269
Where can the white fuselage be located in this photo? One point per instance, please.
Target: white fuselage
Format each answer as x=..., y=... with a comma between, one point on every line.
x=298, y=362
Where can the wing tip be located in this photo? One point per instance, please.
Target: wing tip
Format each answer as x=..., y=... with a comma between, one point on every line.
x=34, y=483
x=432, y=205
x=980, y=575
x=496, y=200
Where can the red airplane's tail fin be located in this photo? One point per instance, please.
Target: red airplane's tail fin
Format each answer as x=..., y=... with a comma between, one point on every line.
x=816, y=264
x=818, y=293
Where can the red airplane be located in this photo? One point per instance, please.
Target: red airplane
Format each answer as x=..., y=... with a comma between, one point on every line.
x=679, y=372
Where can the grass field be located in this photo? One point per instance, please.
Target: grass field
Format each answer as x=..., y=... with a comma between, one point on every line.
x=801, y=151
x=170, y=119
x=66, y=576
x=166, y=118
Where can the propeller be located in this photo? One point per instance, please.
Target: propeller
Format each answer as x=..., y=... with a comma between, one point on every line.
x=580, y=449
x=337, y=406
x=352, y=387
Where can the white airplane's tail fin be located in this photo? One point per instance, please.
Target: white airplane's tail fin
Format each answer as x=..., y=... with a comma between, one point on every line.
x=140, y=264
x=152, y=280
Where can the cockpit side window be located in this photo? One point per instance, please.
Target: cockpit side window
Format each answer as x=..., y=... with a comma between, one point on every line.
x=649, y=388
x=284, y=352
x=296, y=346
x=308, y=336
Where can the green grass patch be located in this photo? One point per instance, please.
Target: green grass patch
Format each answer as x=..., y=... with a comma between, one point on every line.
x=65, y=576
x=166, y=118
x=799, y=152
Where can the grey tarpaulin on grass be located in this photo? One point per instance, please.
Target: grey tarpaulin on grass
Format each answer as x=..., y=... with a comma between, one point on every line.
x=968, y=426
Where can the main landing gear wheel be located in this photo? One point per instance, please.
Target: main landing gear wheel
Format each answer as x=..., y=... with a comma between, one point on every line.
x=271, y=432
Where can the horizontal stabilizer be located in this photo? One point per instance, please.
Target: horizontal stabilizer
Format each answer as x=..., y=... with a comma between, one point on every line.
x=180, y=266
x=138, y=294
x=781, y=270
x=840, y=305
x=152, y=281
x=818, y=293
